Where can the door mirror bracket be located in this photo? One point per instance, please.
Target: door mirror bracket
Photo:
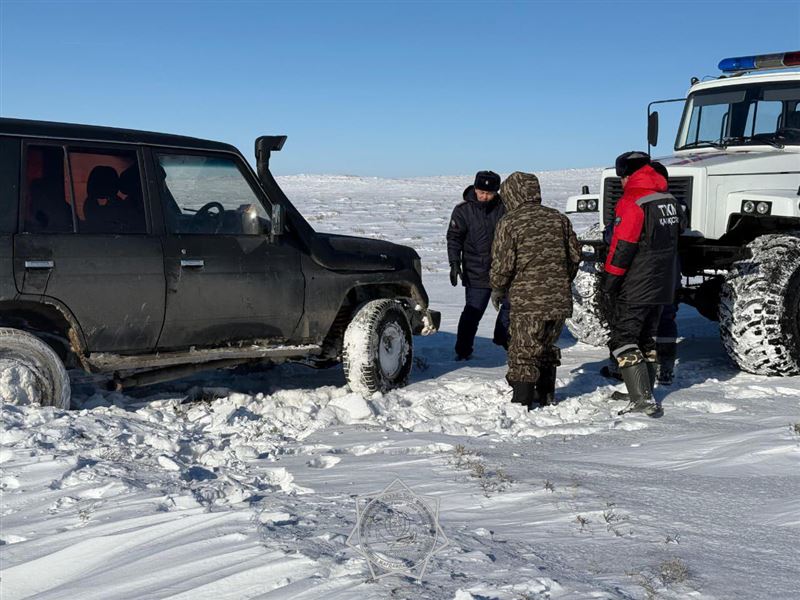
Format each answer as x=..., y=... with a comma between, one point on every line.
x=276, y=222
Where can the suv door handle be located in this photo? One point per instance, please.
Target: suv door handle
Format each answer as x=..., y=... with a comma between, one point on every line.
x=188, y=263
x=39, y=264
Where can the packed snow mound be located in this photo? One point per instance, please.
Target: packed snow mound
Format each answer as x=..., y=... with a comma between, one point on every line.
x=204, y=447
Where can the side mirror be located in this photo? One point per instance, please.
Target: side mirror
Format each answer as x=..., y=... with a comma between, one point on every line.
x=250, y=223
x=652, y=128
x=276, y=223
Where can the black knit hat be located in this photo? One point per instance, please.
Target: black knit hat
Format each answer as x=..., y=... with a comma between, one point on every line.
x=628, y=163
x=660, y=169
x=487, y=181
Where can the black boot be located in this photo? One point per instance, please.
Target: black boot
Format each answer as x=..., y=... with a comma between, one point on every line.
x=652, y=371
x=667, y=353
x=611, y=371
x=651, y=376
x=546, y=385
x=640, y=393
x=524, y=392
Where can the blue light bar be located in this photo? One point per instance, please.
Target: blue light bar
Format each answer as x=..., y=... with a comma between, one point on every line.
x=730, y=65
x=760, y=62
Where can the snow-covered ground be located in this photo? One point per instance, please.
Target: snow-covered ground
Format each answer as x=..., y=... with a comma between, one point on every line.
x=243, y=484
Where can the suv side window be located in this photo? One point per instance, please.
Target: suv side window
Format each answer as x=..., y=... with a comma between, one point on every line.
x=208, y=195
x=107, y=187
x=91, y=191
x=47, y=201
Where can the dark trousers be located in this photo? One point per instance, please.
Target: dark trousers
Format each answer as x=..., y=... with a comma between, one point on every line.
x=634, y=327
x=667, y=326
x=477, y=299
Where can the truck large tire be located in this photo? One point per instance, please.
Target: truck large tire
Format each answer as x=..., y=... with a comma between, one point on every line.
x=377, y=351
x=759, y=312
x=590, y=321
x=42, y=376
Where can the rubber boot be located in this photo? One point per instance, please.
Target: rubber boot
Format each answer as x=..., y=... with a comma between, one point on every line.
x=611, y=370
x=640, y=393
x=546, y=385
x=667, y=353
x=652, y=370
x=534, y=400
x=524, y=392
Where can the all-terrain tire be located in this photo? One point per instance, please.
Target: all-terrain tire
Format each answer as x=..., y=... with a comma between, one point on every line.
x=377, y=351
x=589, y=322
x=50, y=382
x=759, y=311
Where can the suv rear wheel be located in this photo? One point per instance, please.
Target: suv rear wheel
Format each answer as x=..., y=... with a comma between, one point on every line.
x=759, y=313
x=31, y=371
x=377, y=351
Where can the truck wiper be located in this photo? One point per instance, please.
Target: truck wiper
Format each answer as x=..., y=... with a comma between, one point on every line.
x=765, y=138
x=702, y=144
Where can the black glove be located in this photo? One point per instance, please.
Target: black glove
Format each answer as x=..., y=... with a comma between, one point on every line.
x=455, y=273
x=498, y=295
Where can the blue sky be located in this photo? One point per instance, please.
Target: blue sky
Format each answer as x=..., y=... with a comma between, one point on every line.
x=379, y=88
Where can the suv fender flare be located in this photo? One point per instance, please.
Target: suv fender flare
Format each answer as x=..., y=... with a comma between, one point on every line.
x=48, y=316
x=405, y=293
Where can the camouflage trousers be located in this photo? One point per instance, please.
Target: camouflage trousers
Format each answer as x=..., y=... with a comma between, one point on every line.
x=532, y=346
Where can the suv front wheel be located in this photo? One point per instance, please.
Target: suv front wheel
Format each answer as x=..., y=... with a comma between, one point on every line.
x=377, y=353
x=31, y=371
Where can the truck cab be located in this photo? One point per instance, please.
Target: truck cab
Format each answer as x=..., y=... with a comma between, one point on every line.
x=735, y=165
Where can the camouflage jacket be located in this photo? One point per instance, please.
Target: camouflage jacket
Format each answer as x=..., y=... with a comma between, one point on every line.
x=535, y=254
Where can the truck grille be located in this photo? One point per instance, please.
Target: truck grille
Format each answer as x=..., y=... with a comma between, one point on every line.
x=680, y=187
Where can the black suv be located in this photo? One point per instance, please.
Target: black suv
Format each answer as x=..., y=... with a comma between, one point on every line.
x=151, y=256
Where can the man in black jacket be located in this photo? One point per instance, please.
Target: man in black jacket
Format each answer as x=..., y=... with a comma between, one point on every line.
x=469, y=250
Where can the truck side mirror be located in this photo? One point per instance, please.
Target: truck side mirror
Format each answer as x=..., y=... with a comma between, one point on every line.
x=276, y=223
x=652, y=128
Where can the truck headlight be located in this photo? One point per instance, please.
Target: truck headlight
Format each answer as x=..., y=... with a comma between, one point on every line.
x=756, y=207
x=582, y=205
x=591, y=205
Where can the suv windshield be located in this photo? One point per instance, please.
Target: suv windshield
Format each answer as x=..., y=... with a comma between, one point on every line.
x=755, y=114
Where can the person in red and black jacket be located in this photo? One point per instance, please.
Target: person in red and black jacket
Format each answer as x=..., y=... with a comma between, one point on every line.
x=640, y=273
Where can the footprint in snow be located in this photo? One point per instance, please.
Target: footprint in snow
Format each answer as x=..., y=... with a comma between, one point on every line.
x=705, y=406
x=323, y=462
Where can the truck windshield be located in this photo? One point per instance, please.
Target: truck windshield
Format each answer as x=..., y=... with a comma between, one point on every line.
x=742, y=115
